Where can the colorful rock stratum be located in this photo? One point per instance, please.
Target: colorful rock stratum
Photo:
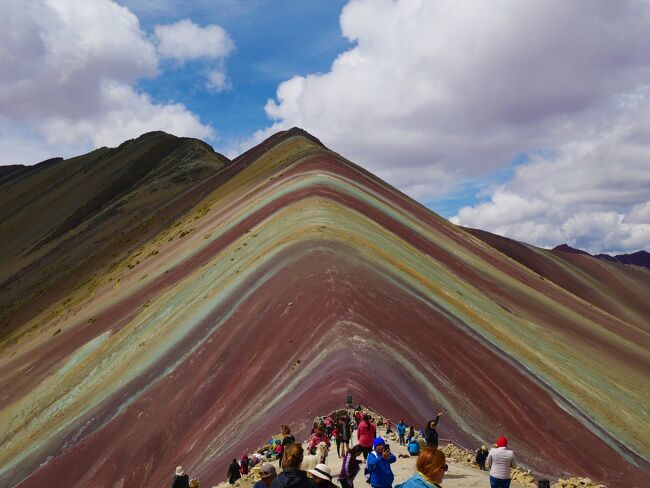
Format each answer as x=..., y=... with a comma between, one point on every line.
x=162, y=305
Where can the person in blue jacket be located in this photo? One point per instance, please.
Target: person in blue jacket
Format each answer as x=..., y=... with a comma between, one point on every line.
x=413, y=447
x=379, y=461
x=401, y=432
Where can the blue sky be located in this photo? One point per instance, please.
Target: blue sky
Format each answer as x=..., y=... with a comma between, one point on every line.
x=527, y=119
x=274, y=41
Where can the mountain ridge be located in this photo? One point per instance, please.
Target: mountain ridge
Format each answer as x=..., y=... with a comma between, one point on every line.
x=291, y=272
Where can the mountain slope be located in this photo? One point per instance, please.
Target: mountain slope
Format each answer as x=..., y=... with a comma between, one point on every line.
x=295, y=278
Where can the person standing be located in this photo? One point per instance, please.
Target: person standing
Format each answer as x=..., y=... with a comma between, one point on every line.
x=401, y=432
x=350, y=467
x=287, y=439
x=431, y=434
x=181, y=480
x=346, y=433
x=500, y=459
x=233, y=472
x=431, y=466
x=481, y=456
x=366, y=433
x=379, y=461
x=336, y=434
x=322, y=476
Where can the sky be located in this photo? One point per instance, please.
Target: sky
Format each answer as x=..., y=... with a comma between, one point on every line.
x=527, y=119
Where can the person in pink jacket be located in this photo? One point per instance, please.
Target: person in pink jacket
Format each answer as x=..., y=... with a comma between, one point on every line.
x=500, y=459
x=366, y=433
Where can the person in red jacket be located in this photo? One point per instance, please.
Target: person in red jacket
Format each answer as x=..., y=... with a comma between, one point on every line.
x=366, y=433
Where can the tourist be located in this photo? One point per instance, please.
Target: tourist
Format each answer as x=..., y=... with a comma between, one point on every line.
x=287, y=439
x=350, y=467
x=292, y=476
x=322, y=476
x=500, y=459
x=346, y=433
x=413, y=447
x=243, y=464
x=181, y=480
x=267, y=475
x=318, y=437
x=401, y=432
x=366, y=433
x=336, y=434
x=431, y=470
x=233, y=472
x=378, y=467
x=411, y=434
x=481, y=456
x=431, y=434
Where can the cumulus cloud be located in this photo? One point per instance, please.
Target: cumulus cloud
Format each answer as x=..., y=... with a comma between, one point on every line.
x=69, y=69
x=593, y=193
x=186, y=40
x=437, y=93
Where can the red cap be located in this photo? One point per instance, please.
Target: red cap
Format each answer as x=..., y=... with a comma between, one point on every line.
x=502, y=442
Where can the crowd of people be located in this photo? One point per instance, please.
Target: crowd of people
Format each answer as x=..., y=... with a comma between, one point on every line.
x=377, y=456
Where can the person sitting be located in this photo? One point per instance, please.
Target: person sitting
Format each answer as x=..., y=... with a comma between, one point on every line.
x=322, y=476
x=267, y=475
x=413, y=447
x=379, y=461
x=292, y=476
x=431, y=468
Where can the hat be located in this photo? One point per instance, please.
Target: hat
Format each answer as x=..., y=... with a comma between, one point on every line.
x=267, y=470
x=502, y=442
x=322, y=471
x=179, y=471
x=377, y=442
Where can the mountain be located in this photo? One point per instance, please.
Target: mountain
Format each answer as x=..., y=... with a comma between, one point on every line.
x=639, y=258
x=163, y=305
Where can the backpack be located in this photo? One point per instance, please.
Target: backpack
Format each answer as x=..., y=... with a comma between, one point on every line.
x=366, y=470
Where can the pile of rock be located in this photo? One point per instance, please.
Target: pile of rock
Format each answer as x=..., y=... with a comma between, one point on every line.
x=576, y=483
x=458, y=454
x=523, y=477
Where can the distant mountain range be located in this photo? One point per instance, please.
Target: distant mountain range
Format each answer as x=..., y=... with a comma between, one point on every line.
x=639, y=258
x=163, y=305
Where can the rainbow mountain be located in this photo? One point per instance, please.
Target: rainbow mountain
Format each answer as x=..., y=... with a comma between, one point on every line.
x=163, y=305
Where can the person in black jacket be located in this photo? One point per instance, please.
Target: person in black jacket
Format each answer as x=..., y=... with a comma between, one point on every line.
x=287, y=439
x=233, y=472
x=181, y=480
x=481, y=456
x=292, y=476
x=431, y=434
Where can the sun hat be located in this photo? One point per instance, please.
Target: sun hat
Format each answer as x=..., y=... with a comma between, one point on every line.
x=322, y=471
x=267, y=470
x=179, y=471
x=378, y=442
x=502, y=442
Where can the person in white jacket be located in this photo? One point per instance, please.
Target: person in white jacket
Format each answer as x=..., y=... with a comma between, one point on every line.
x=500, y=459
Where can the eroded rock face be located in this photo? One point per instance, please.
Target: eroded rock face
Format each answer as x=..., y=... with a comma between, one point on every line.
x=289, y=279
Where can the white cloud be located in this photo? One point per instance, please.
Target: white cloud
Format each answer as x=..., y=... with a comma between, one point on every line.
x=217, y=81
x=68, y=77
x=185, y=40
x=459, y=89
x=592, y=193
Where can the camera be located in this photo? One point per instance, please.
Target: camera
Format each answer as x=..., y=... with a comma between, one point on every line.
x=386, y=447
